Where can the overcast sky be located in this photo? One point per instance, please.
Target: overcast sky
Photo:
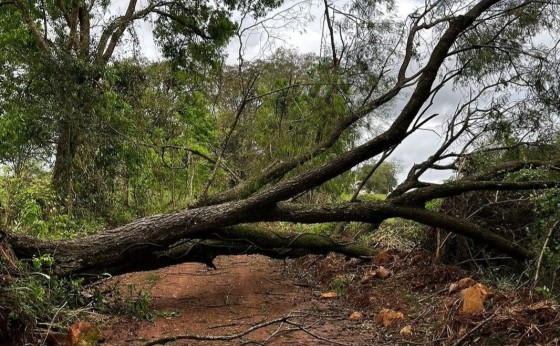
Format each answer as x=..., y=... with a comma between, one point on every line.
x=305, y=37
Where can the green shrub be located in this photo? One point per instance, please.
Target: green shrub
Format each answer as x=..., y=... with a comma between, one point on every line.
x=35, y=299
x=546, y=229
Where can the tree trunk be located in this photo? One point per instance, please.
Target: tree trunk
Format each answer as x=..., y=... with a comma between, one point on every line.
x=238, y=240
x=62, y=176
x=158, y=240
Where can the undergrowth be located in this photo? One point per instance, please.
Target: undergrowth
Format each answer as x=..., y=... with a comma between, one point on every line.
x=34, y=303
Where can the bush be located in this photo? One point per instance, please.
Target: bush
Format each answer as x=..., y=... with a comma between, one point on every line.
x=33, y=299
x=30, y=205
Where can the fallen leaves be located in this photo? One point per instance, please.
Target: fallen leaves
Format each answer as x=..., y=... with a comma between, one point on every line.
x=453, y=288
x=388, y=316
x=406, y=330
x=381, y=273
x=355, y=316
x=461, y=284
x=473, y=299
x=385, y=257
x=82, y=334
x=474, y=295
x=465, y=283
x=329, y=295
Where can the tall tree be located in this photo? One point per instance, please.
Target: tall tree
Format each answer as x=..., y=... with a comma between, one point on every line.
x=59, y=54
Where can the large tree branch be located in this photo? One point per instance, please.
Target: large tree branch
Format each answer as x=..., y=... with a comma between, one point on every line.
x=277, y=171
x=424, y=194
x=184, y=23
x=398, y=130
x=114, y=31
x=230, y=132
x=514, y=166
x=30, y=21
x=374, y=212
x=236, y=240
x=142, y=243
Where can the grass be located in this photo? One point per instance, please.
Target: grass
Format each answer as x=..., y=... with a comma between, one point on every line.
x=152, y=278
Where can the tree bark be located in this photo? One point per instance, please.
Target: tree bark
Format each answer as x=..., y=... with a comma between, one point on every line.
x=244, y=239
x=155, y=241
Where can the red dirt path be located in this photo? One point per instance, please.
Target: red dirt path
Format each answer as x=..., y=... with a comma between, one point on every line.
x=246, y=290
x=243, y=291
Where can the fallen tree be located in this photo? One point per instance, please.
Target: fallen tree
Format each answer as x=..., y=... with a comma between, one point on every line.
x=162, y=240
x=217, y=225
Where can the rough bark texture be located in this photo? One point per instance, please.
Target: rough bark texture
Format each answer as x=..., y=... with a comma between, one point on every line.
x=153, y=241
x=97, y=256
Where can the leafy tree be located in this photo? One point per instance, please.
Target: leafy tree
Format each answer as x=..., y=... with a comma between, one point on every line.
x=291, y=107
x=59, y=66
x=382, y=181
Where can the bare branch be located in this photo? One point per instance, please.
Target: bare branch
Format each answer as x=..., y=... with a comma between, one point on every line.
x=398, y=130
x=114, y=31
x=424, y=194
x=331, y=34
x=168, y=339
x=238, y=114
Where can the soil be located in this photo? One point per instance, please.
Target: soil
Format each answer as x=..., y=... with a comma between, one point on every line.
x=243, y=291
x=247, y=290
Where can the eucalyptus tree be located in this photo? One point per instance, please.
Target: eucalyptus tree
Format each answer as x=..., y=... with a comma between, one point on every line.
x=489, y=50
x=283, y=104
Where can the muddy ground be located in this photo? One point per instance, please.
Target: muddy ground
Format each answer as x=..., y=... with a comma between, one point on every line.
x=245, y=291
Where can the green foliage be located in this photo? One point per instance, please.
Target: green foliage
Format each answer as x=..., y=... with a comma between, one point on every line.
x=152, y=278
x=544, y=292
x=382, y=181
x=137, y=304
x=119, y=132
x=30, y=205
x=36, y=297
x=319, y=228
x=547, y=226
x=398, y=234
x=372, y=197
x=294, y=106
x=340, y=283
x=133, y=302
x=434, y=204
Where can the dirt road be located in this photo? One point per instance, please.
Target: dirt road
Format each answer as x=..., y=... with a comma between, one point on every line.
x=242, y=292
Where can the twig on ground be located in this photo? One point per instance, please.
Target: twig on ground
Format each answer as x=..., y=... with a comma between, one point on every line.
x=453, y=308
x=433, y=294
x=52, y=323
x=168, y=339
x=282, y=320
x=316, y=336
x=473, y=330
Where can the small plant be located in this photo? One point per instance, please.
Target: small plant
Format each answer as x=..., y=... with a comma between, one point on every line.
x=35, y=298
x=397, y=234
x=544, y=292
x=152, y=278
x=340, y=283
x=545, y=233
x=138, y=305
